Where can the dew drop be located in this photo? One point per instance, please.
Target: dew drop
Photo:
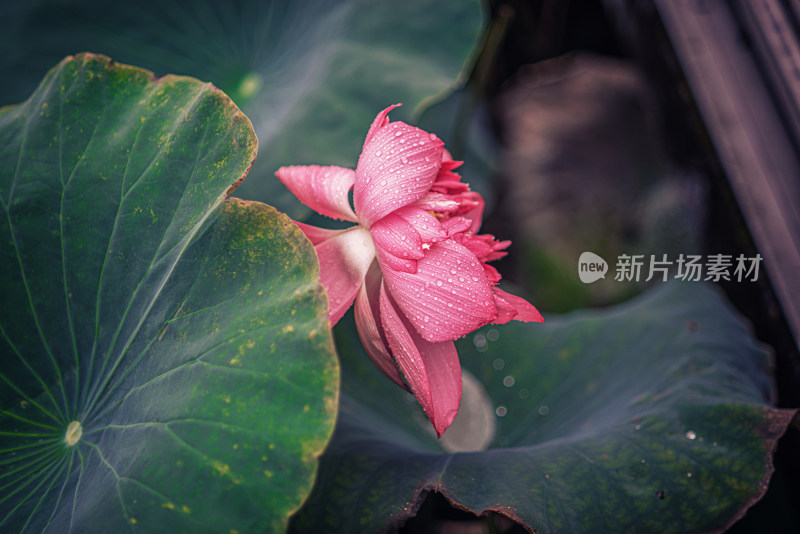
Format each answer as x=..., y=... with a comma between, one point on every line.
x=498, y=364
x=378, y=153
x=508, y=381
x=404, y=159
x=427, y=318
x=544, y=409
x=398, y=134
x=501, y=411
x=691, y=435
x=383, y=182
x=493, y=334
x=439, y=283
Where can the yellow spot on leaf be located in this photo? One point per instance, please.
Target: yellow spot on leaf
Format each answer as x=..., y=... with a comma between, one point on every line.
x=235, y=361
x=221, y=467
x=227, y=399
x=306, y=408
x=288, y=328
x=186, y=510
x=235, y=446
x=133, y=521
x=268, y=474
x=168, y=505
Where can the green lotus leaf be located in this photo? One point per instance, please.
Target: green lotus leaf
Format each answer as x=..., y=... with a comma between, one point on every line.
x=652, y=416
x=166, y=364
x=310, y=74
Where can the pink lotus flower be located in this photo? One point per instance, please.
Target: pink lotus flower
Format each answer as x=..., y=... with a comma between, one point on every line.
x=414, y=264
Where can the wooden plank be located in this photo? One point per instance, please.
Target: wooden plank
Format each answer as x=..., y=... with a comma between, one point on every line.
x=752, y=143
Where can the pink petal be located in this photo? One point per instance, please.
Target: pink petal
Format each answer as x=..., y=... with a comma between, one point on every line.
x=367, y=314
x=390, y=261
x=395, y=235
x=431, y=370
x=397, y=167
x=513, y=307
x=456, y=225
x=343, y=262
x=380, y=121
x=436, y=202
x=315, y=234
x=425, y=224
x=448, y=297
x=475, y=214
x=323, y=189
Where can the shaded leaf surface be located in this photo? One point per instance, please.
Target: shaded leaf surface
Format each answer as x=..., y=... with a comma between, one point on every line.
x=310, y=74
x=186, y=333
x=652, y=416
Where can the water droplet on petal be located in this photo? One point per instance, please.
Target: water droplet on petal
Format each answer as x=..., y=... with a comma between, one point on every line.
x=439, y=283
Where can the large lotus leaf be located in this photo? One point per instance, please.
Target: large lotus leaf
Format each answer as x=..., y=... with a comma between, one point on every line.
x=310, y=74
x=166, y=364
x=651, y=416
